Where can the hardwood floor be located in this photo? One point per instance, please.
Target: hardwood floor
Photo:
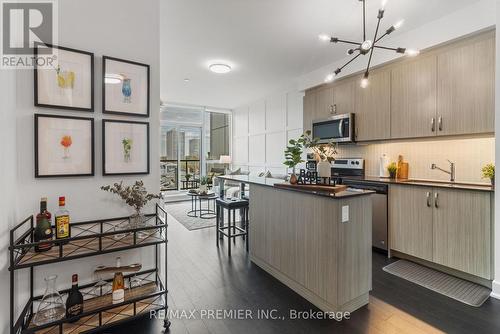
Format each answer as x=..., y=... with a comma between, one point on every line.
x=202, y=277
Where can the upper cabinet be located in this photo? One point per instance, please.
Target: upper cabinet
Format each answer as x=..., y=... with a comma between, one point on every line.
x=373, y=107
x=466, y=87
x=309, y=109
x=446, y=91
x=344, y=96
x=413, y=98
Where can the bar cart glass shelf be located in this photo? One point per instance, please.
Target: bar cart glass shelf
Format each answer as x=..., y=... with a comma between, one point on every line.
x=145, y=290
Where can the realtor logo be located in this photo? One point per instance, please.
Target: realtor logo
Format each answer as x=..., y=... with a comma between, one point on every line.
x=25, y=24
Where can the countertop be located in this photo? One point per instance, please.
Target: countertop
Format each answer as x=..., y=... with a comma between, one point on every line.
x=426, y=183
x=270, y=182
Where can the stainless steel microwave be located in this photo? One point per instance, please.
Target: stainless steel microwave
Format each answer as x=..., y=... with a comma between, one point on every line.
x=337, y=128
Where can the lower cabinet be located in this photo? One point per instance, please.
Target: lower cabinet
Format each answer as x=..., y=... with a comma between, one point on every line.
x=445, y=226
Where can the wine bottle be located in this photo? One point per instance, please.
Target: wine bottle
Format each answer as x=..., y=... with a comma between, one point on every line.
x=74, y=303
x=62, y=220
x=43, y=228
x=118, y=285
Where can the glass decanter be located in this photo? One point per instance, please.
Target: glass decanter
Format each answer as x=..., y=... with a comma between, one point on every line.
x=51, y=307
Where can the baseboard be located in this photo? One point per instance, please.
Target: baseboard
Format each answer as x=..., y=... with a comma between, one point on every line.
x=495, y=289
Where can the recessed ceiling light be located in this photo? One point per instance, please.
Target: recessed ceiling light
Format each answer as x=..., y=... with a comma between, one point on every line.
x=219, y=68
x=186, y=80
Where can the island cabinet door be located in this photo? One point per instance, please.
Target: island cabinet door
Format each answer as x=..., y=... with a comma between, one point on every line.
x=462, y=231
x=410, y=220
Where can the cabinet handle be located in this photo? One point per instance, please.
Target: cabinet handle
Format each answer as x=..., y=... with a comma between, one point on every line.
x=440, y=123
x=428, y=195
x=436, y=203
x=433, y=124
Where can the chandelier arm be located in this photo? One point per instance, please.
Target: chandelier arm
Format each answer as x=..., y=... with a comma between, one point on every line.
x=385, y=48
x=373, y=46
x=378, y=39
x=347, y=42
x=364, y=20
x=350, y=61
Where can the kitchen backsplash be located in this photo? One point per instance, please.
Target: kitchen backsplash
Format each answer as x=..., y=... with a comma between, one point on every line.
x=469, y=155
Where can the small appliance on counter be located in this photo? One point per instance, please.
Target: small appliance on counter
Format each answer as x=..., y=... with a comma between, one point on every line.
x=383, y=163
x=351, y=172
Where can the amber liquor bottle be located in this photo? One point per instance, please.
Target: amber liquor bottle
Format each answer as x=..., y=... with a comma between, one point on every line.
x=118, y=295
x=74, y=303
x=62, y=220
x=43, y=228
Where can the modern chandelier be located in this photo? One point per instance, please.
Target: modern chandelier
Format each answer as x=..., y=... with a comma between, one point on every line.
x=367, y=46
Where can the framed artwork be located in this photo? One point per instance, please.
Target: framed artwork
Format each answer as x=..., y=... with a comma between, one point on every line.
x=125, y=147
x=125, y=87
x=64, y=146
x=67, y=82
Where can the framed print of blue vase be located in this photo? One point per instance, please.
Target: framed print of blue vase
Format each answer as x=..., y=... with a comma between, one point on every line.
x=126, y=90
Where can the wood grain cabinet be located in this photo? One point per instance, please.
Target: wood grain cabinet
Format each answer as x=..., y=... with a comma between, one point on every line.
x=344, y=96
x=445, y=226
x=466, y=87
x=309, y=109
x=410, y=220
x=373, y=107
x=324, y=103
x=413, y=98
x=462, y=231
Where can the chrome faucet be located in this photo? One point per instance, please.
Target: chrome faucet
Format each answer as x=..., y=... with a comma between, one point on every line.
x=451, y=172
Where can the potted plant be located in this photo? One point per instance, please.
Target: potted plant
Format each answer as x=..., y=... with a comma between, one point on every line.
x=324, y=152
x=293, y=156
x=392, y=168
x=204, y=184
x=187, y=176
x=135, y=196
x=489, y=173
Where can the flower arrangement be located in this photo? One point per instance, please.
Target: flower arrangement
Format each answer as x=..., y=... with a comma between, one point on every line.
x=66, y=142
x=392, y=168
x=489, y=172
x=134, y=195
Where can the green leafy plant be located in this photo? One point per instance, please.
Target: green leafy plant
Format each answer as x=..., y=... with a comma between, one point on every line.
x=293, y=152
x=134, y=195
x=187, y=176
x=325, y=152
x=488, y=171
x=392, y=169
x=204, y=180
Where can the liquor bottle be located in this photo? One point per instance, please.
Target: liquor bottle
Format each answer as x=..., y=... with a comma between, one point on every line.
x=62, y=220
x=43, y=228
x=118, y=284
x=74, y=303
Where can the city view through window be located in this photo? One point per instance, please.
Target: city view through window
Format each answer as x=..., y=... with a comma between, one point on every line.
x=192, y=141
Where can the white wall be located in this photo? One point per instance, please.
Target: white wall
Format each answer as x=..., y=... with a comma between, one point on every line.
x=262, y=129
x=122, y=28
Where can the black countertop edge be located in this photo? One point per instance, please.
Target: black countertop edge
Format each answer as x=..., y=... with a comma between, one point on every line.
x=425, y=183
x=270, y=182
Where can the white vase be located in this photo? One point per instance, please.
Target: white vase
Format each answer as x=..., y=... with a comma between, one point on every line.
x=203, y=188
x=324, y=169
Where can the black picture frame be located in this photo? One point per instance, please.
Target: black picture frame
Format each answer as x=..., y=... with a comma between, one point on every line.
x=117, y=112
x=36, y=83
x=104, y=172
x=92, y=145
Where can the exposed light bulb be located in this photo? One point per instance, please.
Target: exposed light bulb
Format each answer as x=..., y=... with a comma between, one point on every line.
x=366, y=45
x=364, y=83
x=382, y=5
x=329, y=78
x=412, y=52
x=324, y=38
x=398, y=24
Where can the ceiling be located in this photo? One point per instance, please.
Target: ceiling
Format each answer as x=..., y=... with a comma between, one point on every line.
x=269, y=43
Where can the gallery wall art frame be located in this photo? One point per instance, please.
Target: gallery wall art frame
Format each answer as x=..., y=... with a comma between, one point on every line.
x=43, y=158
x=138, y=141
x=116, y=86
x=65, y=80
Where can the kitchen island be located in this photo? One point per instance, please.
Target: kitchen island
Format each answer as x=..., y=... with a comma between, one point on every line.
x=318, y=243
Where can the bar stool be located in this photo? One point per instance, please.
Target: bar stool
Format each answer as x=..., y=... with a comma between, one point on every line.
x=233, y=231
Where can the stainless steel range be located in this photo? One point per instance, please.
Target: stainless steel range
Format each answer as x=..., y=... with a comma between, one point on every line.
x=351, y=172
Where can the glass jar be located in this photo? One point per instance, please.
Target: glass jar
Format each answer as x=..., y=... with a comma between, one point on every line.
x=51, y=307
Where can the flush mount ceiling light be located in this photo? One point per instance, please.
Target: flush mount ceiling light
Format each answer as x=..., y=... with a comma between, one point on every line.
x=220, y=68
x=367, y=46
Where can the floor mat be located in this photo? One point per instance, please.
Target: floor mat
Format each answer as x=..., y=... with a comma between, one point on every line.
x=464, y=291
